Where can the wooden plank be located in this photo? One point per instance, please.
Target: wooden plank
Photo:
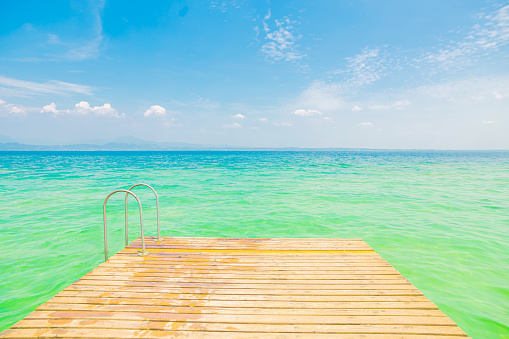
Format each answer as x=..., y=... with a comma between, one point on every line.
x=424, y=304
x=263, y=289
x=115, y=334
x=262, y=267
x=239, y=327
x=246, y=241
x=339, y=284
x=254, y=254
x=259, y=273
x=154, y=260
x=239, y=310
x=351, y=249
x=235, y=278
x=239, y=297
x=240, y=288
x=244, y=319
x=378, y=291
x=134, y=260
x=252, y=251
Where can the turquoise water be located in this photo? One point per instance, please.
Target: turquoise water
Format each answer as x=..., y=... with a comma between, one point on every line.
x=441, y=218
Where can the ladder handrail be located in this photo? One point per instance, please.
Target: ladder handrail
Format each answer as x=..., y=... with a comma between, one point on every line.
x=143, y=252
x=157, y=205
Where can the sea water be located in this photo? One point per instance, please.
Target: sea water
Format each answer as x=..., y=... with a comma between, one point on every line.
x=440, y=218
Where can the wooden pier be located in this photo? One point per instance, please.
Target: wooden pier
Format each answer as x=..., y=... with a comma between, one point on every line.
x=240, y=288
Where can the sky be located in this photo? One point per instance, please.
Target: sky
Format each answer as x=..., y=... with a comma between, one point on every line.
x=377, y=74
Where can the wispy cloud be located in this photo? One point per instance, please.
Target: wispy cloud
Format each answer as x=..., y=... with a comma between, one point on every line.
x=488, y=35
x=472, y=89
x=234, y=125
x=282, y=124
x=307, y=112
x=83, y=108
x=224, y=6
x=86, y=50
x=398, y=105
x=52, y=47
x=367, y=124
x=281, y=39
x=207, y=104
x=239, y=116
x=24, y=88
x=365, y=68
x=322, y=96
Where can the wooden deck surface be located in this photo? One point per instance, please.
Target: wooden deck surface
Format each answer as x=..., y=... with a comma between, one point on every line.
x=240, y=288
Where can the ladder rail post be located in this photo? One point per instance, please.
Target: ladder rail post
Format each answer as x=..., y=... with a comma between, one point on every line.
x=125, y=211
x=143, y=252
x=157, y=209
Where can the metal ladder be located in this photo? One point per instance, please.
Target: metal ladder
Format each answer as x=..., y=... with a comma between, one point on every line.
x=127, y=193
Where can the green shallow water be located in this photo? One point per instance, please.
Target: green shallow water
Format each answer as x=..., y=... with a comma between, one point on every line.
x=440, y=218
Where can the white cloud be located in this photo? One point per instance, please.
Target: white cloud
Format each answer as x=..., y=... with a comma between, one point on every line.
x=51, y=108
x=17, y=110
x=171, y=123
x=497, y=95
x=257, y=31
x=488, y=122
x=46, y=46
x=281, y=43
x=234, y=125
x=224, y=6
x=365, y=68
x=155, y=111
x=282, y=124
x=49, y=87
x=356, y=109
x=367, y=124
x=105, y=110
x=322, y=96
x=83, y=108
x=53, y=39
x=10, y=109
x=399, y=105
x=491, y=34
x=87, y=50
x=262, y=119
x=307, y=112
x=472, y=89
x=206, y=104
x=327, y=118
x=239, y=116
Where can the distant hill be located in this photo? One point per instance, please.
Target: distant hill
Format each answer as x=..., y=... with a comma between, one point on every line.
x=128, y=143
x=124, y=143
x=5, y=139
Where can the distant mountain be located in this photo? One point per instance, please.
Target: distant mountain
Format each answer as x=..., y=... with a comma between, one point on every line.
x=124, y=143
x=5, y=138
x=128, y=143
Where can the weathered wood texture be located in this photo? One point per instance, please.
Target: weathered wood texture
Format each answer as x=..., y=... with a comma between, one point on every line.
x=240, y=288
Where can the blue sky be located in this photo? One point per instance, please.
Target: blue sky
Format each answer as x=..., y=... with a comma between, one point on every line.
x=379, y=74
